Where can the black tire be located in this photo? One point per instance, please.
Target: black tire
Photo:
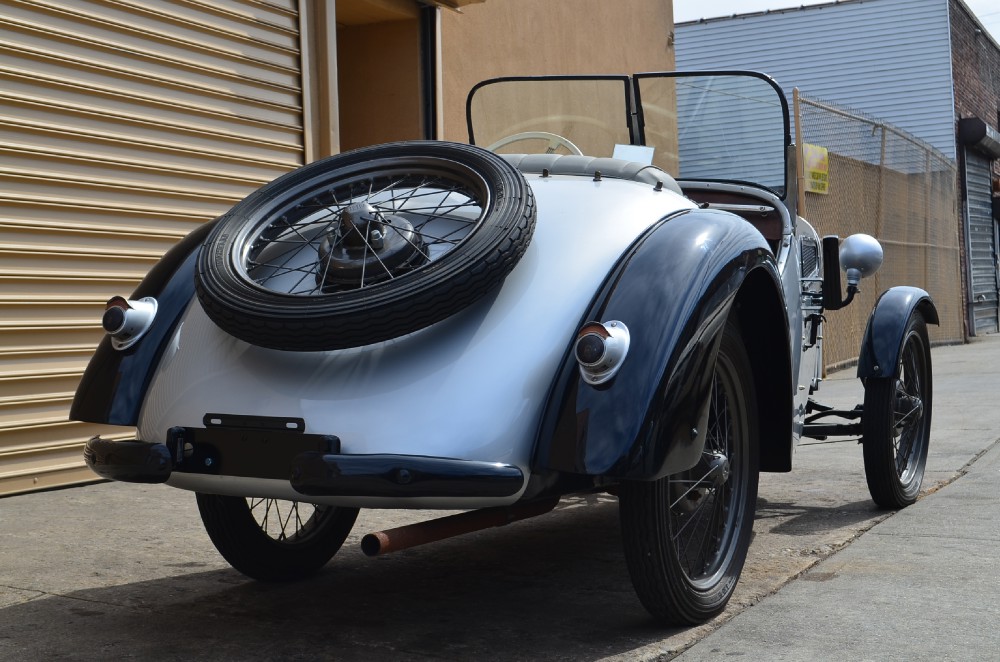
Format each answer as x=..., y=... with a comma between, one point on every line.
x=686, y=535
x=274, y=540
x=302, y=264
x=896, y=423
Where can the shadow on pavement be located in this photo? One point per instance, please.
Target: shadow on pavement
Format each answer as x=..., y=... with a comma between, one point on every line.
x=798, y=520
x=555, y=587
x=558, y=592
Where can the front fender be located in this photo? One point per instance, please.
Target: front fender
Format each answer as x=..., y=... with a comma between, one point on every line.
x=115, y=382
x=883, y=337
x=674, y=291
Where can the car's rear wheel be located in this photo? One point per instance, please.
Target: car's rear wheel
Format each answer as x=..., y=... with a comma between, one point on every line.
x=271, y=539
x=896, y=424
x=686, y=535
x=365, y=246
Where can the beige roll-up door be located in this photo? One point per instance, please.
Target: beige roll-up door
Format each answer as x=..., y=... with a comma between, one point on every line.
x=124, y=124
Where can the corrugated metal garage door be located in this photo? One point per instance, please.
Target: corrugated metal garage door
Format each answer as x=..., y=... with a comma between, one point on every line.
x=123, y=125
x=981, y=232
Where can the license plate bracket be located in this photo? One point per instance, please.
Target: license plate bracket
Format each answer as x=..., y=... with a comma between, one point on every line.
x=246, y=446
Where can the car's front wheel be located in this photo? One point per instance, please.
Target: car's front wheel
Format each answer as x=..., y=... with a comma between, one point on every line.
x=897, y=422
x=686, y=535
x=271, y=539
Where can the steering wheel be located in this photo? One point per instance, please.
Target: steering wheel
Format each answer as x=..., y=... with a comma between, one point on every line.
x=555, y=141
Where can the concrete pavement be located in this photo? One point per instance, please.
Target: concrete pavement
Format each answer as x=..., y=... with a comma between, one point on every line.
x=126, y=571
x=923, y=584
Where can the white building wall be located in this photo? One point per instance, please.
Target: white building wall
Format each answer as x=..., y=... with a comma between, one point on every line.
x=888, y=58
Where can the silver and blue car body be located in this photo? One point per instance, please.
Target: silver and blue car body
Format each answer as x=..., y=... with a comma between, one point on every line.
x=656, y=258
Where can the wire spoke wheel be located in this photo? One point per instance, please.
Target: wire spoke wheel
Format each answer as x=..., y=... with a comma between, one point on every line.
x=686, y=535
x=353, y=234
x=700, y=517
x=287, y=521
x=365, y=246
x=896, y=422
x=273, y=539
x=907, y=412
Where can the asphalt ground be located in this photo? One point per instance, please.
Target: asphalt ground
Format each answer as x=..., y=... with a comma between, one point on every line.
x=122, y=571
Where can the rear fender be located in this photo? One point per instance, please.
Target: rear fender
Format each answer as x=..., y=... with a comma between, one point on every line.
x=674, y=291
x=883, y=337
x=115, y=382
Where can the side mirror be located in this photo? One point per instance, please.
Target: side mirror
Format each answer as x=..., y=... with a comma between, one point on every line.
x=860, y=257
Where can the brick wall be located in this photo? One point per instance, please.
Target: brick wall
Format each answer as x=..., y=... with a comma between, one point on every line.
x=976, y=68
x=976, y=78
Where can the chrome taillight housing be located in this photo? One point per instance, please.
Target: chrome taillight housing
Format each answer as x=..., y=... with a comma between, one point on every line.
x=127, y=320
x=600, y=350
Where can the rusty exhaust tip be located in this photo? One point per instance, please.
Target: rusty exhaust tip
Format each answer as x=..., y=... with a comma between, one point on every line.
x=372, y=543
x=404, y=537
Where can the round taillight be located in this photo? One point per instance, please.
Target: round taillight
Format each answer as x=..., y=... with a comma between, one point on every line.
x=590, y=349
x=113, y=319
x=600, y=350
x=127, y=320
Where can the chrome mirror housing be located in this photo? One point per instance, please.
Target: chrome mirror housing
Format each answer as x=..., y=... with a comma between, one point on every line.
x=860, y=257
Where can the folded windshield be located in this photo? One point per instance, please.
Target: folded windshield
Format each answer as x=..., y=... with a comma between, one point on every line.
x=729, y=126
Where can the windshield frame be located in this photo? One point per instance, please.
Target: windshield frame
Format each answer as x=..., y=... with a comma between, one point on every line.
x=633, y=113
x=628, y=116
x=785, y=116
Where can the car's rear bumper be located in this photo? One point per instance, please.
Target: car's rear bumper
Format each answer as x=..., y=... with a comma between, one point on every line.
x=129, y=460
x=314, y=473
x=317, y=474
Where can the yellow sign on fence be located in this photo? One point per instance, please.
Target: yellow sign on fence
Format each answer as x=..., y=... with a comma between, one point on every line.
x=817, y=168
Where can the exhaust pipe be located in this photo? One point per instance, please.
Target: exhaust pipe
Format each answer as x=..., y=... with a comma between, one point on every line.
x=403, y=537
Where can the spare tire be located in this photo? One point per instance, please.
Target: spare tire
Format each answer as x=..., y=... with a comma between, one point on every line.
x=365, y=246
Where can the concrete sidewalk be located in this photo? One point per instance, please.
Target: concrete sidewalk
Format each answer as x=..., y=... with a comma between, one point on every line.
x=921, y=585
x=122, y=571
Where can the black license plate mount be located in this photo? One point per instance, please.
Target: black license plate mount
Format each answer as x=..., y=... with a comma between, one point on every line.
x=247, y=446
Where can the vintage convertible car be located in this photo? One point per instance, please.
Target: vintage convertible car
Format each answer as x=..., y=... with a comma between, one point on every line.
x=441, y=325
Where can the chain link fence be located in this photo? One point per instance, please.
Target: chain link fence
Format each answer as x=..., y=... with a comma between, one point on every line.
x=889, y=184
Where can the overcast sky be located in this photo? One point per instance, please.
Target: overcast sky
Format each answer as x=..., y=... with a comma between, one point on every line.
x=988, y=11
